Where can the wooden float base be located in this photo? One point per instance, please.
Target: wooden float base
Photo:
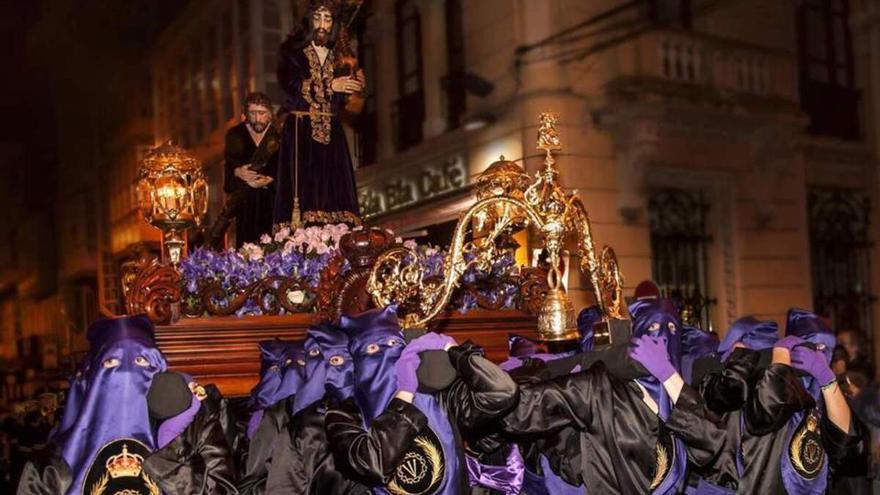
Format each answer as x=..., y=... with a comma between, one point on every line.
x=223, y=350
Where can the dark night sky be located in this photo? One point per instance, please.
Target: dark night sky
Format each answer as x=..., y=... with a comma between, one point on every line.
x=70, y=62
x=70, y=65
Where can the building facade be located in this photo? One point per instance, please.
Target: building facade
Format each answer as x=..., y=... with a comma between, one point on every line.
x=728, y=150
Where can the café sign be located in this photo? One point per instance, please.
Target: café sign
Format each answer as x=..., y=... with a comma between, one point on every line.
x=412, y=187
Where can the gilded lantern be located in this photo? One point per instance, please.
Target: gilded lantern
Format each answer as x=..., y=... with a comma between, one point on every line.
x=172, y=193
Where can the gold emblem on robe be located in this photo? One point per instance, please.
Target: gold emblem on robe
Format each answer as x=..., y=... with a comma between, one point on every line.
x=422, y=468
x=806, y=452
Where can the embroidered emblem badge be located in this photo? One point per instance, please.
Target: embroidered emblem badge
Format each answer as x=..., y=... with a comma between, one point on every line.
x=422, y=469
x=117, y=470
x=806, y=452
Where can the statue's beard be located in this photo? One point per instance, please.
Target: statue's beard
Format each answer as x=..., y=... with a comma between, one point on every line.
x=321, y=37
x=258, y=126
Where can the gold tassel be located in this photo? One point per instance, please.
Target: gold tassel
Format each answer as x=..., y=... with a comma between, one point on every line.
x=296, y=216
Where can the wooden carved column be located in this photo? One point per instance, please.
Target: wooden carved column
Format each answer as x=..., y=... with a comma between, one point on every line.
x=150, y=287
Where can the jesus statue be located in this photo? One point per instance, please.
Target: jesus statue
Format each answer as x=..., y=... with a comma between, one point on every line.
x=315, y=176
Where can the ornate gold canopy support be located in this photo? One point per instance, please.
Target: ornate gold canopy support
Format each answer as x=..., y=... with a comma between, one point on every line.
x=509, y=200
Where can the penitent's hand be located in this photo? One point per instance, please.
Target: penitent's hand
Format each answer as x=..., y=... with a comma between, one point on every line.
x=782, y=349
x=346, y=84
x=652, y=354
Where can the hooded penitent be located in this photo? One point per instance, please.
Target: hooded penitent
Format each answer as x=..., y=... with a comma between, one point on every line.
x=754, y=334
x=521, y=348
x=812, y=477
x=106, y=443
x=329, y=370
x=588, y=317
x=376, y=344
x=659, y=319
x=696, y=343
x=74, y=398
x=277, y=358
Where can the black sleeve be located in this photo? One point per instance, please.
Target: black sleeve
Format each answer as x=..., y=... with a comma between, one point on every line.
x=260, y=448
x=703, y=438
x=232, y=155
x=45, y=475
x=482, y=392
x=549, y=406
x=844, y=446
x=196, y=462
x=371, y=456
x=777, y=394
x=728, y=390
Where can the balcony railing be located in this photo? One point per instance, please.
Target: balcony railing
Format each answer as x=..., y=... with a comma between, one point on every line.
x=712, y=63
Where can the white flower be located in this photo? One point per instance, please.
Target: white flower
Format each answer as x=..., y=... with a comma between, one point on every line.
x=265, y=239
x=282, y=234
x=296, y=297
x=410, y=244
x=288, y=247
x=321, y=248
x=252, y=251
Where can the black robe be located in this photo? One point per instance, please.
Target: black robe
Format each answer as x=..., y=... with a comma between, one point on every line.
x=482, y=392
x=326, y=181
x=255, y=465
x=198, y=461
x=754, y=406
x=302, y=462
x=611, y=445
x=253, y=211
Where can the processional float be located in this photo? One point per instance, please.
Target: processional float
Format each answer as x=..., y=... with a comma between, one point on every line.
x=173, y=197
x=508, y=200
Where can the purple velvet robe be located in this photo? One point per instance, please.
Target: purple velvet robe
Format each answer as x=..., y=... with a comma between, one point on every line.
x=325, y=182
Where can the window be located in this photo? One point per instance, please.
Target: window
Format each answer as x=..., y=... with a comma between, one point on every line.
x=840, y=251
x=230, y=79
x=197, y=91
x=454, y=82
x=366, y=124
x=670, y=12
x=212, y=81
x=826, y=68
x=679, y=255
x=409, y=110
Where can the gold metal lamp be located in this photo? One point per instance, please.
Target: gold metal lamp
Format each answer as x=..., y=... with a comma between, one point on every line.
x=508, y=199
x=172, y=194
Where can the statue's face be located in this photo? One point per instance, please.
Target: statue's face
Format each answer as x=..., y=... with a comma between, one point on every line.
x=258, y=117
x=322, y=23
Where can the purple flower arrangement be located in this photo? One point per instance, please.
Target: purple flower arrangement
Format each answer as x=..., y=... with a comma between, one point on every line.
x=302, y=255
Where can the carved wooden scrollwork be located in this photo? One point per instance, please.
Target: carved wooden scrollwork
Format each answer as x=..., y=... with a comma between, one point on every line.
x=271, y=294
x=151, y=288
x=533, y=289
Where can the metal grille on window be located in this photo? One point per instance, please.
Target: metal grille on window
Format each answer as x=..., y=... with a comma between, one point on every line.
x=840, y=250
x=679, y=257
